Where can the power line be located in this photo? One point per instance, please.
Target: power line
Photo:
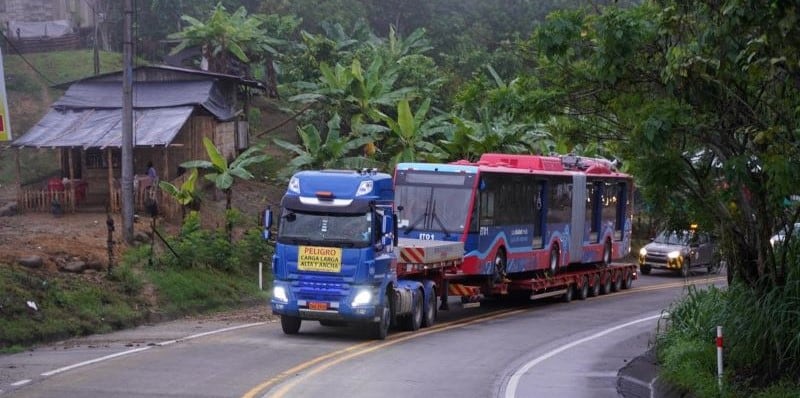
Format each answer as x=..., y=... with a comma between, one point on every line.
x=19, y=53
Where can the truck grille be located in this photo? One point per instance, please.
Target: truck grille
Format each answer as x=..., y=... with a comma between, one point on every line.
x=321, y=291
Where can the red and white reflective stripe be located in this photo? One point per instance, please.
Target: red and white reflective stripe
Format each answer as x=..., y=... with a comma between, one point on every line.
x=412, y=254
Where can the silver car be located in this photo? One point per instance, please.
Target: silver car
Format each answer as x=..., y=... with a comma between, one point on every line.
x=679, y=251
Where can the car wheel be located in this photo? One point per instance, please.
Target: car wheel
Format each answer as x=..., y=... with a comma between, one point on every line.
x=685, y=268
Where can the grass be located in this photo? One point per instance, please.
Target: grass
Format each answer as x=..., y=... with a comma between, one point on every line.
x=762, y=346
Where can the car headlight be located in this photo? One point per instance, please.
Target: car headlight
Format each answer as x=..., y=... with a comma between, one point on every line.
x=674, y=254
x=279, y=294
x=643, y=252
x=363, y=297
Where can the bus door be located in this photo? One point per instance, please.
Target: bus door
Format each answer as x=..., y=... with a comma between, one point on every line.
x=538, y=215
x=594, y=207
x=578, y=222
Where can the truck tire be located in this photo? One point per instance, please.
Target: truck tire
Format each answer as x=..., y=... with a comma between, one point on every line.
x=607, y=253
x=616, y=283
x=583, y=291
x=379, y=330
x=567, y=296
x=594, y=290
x=627, y=280
x=605, y=287
x=431, y=311
x=290, y=324
x=413, y=321
x=645, y=269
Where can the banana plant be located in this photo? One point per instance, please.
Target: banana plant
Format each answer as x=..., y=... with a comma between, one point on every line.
x=414, y=134
x=186, y=194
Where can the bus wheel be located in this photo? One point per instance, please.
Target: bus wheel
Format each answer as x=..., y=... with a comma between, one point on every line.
x=290, y=324
x=594, y=290
x=607, y=253
x=430, y=311
x=583, y=291
x=500, y=266
x=555, y=260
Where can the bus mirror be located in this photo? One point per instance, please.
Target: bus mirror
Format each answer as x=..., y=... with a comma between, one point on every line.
x=267, y=222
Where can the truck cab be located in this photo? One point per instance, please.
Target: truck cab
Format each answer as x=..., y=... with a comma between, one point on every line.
x=334, y=260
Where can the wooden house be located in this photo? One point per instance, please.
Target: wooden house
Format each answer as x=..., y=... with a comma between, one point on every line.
x=174, y=108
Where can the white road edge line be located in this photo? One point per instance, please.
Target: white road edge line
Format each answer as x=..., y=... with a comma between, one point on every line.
x=513, y=382
x=135, y=350
x=20, y=383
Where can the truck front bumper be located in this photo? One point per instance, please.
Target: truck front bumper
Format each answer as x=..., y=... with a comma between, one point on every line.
x=335, y=311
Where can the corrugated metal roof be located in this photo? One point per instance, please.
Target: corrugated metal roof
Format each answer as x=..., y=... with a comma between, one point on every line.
x=102, y=128
x=101, y=95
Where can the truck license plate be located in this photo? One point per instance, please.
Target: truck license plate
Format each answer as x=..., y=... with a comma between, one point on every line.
x=317, y=306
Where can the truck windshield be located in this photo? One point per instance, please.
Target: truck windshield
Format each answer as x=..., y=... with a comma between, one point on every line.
x=432, y=208
x=341, y=230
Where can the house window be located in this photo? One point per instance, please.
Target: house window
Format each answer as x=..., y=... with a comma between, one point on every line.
x=98, y=158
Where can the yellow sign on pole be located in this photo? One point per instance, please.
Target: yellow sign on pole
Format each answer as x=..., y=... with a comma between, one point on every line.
x=5, y=123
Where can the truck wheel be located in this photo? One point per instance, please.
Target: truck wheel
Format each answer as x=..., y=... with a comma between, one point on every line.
x=413, y=321
x=290, y=324
x=430, y=311
x=616, y=284
x=645, y=269
x=607, y=253
x=555, y=260
x=380, y=329
x=605, y=288
x=627, y=280
x=594, y=290
x=583, y=291
x=567, y=296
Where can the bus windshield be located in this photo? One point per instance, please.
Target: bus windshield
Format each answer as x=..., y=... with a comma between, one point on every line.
x=432, y=208
x=341, y=230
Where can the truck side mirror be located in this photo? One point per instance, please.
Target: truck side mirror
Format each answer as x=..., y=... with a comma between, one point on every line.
x=387, y=232
x=267, y=222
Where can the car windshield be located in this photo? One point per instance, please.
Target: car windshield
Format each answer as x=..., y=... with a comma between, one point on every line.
x=342, y=230
x=674, y=237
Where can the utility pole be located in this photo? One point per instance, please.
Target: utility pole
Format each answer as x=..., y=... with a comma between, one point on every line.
x=96, y=40
x=127, y=124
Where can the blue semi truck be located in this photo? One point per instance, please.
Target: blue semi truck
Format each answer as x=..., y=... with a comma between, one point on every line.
x=338, y=260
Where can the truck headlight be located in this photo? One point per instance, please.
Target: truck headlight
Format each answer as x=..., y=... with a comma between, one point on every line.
x=643, y=252
x=363, y=297
x=279, y=294
x=674, y=254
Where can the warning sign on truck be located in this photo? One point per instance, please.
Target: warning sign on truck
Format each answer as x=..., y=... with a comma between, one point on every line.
x=319, y=259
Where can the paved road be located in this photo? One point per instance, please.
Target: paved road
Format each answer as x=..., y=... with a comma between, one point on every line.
x=562, y=349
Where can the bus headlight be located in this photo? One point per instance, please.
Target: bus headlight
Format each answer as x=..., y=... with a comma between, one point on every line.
x=279, y=294
x=674, y=254
x=363, y=297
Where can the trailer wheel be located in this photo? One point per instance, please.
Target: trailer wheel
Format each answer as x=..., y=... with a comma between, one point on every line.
x=627, y=280
x=430, y=311
x=290, y=324
x=555, y=260
x=567, y=296
x=605, y=288
x=380, y=329
x=616, y=283
x=583, y=291
x=607, y=253
x=413, y=321
x=594, y=290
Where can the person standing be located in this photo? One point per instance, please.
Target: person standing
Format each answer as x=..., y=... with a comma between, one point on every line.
x=151, y=172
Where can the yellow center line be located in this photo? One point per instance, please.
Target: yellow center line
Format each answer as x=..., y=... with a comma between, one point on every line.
x=370, y=346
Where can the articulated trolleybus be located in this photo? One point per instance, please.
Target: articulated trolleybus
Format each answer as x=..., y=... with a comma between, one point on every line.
x=521, y=216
